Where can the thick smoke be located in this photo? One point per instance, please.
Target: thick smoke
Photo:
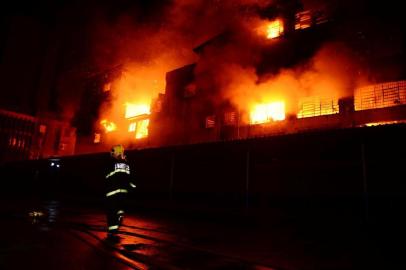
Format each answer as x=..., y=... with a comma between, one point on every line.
x=226, y=70
x=232, y=69
x=148, y=48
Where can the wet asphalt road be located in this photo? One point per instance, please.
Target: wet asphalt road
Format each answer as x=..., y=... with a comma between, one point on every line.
x=52, y=236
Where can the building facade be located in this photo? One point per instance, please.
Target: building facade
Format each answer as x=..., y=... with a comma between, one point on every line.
x=189, y=114
x=26, y=137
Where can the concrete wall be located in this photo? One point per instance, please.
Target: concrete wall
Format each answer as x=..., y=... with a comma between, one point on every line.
x=344, y=173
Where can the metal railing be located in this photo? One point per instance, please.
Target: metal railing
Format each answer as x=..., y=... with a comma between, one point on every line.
x=316, y=106
x=380, y=95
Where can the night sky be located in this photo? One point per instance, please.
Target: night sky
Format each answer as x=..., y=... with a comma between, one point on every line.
x=42, y=40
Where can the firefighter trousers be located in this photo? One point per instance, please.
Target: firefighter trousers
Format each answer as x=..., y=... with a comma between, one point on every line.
x=115, y=212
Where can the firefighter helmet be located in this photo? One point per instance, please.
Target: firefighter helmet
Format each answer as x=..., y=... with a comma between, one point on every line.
x=117, y=151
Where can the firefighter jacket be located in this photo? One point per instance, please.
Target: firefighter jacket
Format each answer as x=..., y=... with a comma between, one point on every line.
x=118, y=178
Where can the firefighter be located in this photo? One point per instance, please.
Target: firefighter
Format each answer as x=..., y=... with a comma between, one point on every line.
x=119, y=183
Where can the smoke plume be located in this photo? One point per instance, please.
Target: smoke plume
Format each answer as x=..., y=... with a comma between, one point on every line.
x=227, y=70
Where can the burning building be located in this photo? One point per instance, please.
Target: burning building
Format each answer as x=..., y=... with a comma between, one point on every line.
x=282, y=98
x=287, y=69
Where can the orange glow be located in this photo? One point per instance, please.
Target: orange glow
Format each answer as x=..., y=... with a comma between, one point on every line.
x=374, y=124
x=132, y=110
x=142, y=129
x=132, y=127
x=132, y=90
x=263, y=113
x=274, y=29
x=380, y=95
x=108, y=126
x=316, y=106
x=97, y=138
x=303, y=20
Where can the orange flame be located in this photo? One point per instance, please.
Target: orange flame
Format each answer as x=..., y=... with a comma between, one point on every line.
x=142, y=129
x=133, y=110
x=108, y=126
x=132, y=127
x=263, y=113
x=274, y=29
x=316, y=106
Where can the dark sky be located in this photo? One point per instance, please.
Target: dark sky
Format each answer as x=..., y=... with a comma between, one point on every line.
x=40, y=39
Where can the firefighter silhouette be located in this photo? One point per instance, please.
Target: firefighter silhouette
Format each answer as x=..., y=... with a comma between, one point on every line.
x=118, y=184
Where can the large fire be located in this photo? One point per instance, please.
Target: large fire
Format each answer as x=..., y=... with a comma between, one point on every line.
x=108, y=126
x=137, y=114
x=263, y=113
x=133, y=110
x=142, y=129
x=274, y=29
x=131, y=92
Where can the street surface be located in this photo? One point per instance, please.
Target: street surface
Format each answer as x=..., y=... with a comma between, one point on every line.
x=55, y=236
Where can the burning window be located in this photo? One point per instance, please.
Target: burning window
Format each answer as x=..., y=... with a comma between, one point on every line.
x=316, y=106
x=108, y=126
x=303, y=20
x=274, y=29
x=210, y=121
x=380, y=95
x=263, y=113
x=230, y=118
x=138, y=115
x=142, y=129
x=132, y=127
x=133, y=110
x=97, y=138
